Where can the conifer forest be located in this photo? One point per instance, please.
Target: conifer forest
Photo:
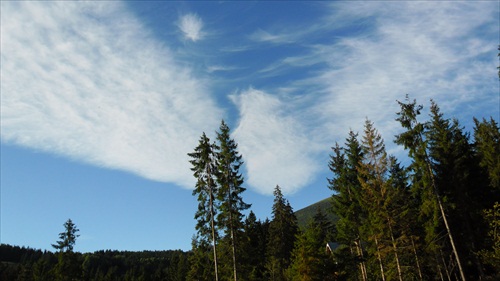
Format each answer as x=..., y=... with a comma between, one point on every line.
x=435, y=218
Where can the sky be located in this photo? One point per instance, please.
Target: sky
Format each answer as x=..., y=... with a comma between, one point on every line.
x=101, y=101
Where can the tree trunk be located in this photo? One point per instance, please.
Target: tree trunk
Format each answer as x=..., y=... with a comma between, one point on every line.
x=445, y=220
x=362, y=265
x=231, y=226
x=416, y=258
x=380, y=260
x=214, y=244
x=395, y=253
x=445, y=266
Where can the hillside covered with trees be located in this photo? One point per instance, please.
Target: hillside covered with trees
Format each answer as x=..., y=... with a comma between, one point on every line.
x=436, y=219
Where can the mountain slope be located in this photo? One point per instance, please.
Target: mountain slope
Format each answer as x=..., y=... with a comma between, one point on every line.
x=307, y=213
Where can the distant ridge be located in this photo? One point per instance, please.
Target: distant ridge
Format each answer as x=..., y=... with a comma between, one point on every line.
x=305, y=214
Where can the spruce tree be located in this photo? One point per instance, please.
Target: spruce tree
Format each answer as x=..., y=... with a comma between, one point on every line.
x=254, y=248
x=282, y=230
x=204, y=168
x=230, y=181
x=414, y=139
x=67, y=267
x=455, y=168
x=346, y=205
x=373, y=171
x=487, y=147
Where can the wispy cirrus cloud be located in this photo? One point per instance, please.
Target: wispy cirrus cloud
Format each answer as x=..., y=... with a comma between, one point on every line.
x=273, y=144
x=444, y=51
x=86, y=80
x=191, y=26
x=266, y=36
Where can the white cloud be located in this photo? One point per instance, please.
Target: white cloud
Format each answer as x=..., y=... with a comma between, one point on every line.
x=422, y=50
x=273, y=144
x=265, y=36
x=86, y=80
x=191, y=25
x=445, y=51
x=218, y=68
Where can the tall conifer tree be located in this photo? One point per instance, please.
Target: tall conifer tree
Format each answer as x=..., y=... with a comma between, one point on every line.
x=414, y=139
x=230, y=182
x=282, y=231
x=344, y=164
x=205, y=169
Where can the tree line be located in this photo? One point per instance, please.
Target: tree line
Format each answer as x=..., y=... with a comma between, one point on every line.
x=438, y=218
x=26, y=264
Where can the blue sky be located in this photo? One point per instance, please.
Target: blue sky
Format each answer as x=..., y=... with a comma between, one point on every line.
x=101, y=101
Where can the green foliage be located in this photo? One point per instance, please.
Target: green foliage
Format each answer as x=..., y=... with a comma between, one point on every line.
x=492, y=256
x=67, y=267
x=230, y=181
x=310, y=258
x=67, y=238
x=282, y=231
x=204, y=166
x=220, y=206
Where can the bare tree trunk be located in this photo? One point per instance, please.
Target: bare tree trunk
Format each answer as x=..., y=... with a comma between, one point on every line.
x=362, y=265
x=395, y=248
x=445, y=266
x=380, y=260
x=416, y=258
x=214, y=244
x=233, y=244
x=440, y=273
x=234, y=254
x=445, y=220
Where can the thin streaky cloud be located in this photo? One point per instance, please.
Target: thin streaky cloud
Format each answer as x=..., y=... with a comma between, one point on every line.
x=265, y=36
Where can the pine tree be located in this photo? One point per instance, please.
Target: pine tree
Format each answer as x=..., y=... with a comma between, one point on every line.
x=458, y=183
x=346, y=206
x=310, y=259
x=67, y=238
x=282, y=230
x=487, y=151
x=204, y=168
x=230, y=181
x=67, y=267
x=373, y=172
x=487, y=146
x=414, y=139
x=255, y=247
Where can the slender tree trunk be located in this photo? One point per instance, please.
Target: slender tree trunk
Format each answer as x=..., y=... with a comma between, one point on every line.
x=231, y=226
x=452, y=242
x=445, y=220
x=214, y=244
x=394, y=246
x=380, y=260
x=438, y=198
x=416, y=258
x=234, y=254
x=362, y=265
x=445, y=266
x=440, y=273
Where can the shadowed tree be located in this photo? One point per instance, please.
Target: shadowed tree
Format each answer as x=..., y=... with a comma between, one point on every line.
x=282, y=231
